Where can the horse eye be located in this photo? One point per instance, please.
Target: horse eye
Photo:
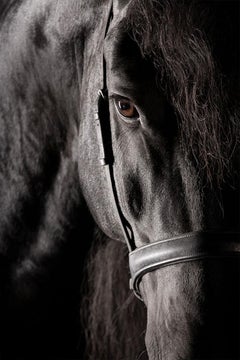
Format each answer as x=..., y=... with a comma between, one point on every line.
x=126, y=108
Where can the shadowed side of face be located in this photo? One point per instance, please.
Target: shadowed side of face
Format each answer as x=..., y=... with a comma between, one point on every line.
x=193, y=309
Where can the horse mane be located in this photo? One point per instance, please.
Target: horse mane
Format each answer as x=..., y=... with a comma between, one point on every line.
x=198, y=77
x=114, y=319
x=5, y=6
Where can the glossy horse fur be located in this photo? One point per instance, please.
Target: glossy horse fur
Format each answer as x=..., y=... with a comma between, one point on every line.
x=176, y=170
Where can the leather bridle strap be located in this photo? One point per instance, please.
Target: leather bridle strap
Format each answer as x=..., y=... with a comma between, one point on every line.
x=180, y=249
x=102, y=122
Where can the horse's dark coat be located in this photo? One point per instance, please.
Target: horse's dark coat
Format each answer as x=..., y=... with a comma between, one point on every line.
x=172, y=173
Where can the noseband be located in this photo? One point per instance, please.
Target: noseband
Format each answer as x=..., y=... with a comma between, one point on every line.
x=179, y=249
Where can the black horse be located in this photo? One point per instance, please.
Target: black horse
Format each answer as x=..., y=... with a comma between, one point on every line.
x=165, y=129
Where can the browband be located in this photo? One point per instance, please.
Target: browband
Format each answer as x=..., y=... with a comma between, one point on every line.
x=179, y=249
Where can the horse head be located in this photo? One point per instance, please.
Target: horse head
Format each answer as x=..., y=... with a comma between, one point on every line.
x=159, y=145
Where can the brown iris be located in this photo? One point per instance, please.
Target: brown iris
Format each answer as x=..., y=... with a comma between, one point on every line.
x=126, y=108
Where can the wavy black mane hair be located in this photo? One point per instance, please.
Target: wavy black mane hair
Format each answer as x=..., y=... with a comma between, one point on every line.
x=185, y=41
x=193, y=47
x=5, y=6
x=114, y=320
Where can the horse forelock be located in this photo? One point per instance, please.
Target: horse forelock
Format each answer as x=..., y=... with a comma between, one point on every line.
x=173, y=36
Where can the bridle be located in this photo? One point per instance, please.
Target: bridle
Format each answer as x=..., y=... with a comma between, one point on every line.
x=179, y=249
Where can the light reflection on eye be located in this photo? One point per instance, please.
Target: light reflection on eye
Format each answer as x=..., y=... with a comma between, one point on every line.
x=126, y=108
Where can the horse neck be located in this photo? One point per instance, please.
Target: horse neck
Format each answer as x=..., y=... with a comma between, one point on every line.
x=38, y=121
